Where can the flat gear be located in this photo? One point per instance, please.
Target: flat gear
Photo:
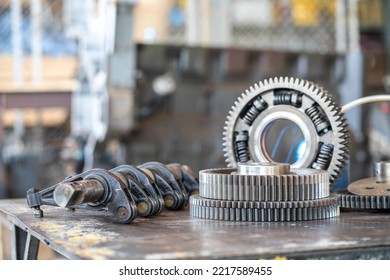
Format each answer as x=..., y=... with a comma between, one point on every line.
x=363, y=202
x=298, y=184
x=369, y=193
x=324, y=128
x=198, y=200
x=282, y=212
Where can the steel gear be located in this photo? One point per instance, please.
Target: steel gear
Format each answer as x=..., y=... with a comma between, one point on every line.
x=363, y=202
x=298, y=184
x=282, y=211
x=264, y=192
x=369, y=193
x=307, y=105
x=198, y=200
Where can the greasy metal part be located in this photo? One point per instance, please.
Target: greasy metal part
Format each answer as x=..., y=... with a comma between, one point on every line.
x=352, y=201
x=324, y=157
x=288, y=97
x=164, y=176
x=263, y=168
x=279, y=213
x=254, y=109
x=147, y=196
x=241, y=146
x=228, y=184
x=83, y=192
x=301, y=102
x=173, y=198
x=319, y=120
x=73, y=193
x=146, y=206
x=185, y=175
x=125, y=191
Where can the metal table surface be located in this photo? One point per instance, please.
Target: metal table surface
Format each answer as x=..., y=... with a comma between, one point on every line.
x=84, y=234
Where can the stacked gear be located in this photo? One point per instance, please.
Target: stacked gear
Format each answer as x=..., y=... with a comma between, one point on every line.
x=301, y=102
x=369, y=193
x=125, y=192
x=254, y=187
x=260, y=192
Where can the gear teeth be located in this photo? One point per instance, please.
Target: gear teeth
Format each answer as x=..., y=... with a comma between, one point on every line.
x=363, y=202
x=300, y=184
x=249, y=213
x=338, y=124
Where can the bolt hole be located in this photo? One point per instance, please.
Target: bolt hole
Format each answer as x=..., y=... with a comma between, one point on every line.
x=370, y=188
x=388, y=190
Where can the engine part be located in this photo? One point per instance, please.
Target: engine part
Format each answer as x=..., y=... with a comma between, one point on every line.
x=307, y=105
x=185, y=175
x=147, y=196
x=264, y=211
x=263, y=182
x=165, y=175
x=125, y=191
x=369, y=193
x=96, y=189
x=264, y=192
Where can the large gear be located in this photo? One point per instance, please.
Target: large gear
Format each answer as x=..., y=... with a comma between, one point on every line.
x=307, y=105
x=254, y=212
x=298, y=184
x=198, y=200
x=264, y=192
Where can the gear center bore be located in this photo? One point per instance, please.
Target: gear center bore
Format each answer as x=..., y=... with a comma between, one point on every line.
x=261, y=127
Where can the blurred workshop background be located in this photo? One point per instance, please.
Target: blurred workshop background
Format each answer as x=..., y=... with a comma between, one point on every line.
x=99, y=83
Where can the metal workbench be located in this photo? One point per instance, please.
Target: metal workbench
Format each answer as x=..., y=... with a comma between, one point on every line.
x=83, y=234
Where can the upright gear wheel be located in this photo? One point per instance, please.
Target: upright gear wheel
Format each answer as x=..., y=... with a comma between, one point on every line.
x=320, y=120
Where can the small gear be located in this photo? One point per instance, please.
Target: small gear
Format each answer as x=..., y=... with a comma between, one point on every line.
x=297, y=184
x=320, y=120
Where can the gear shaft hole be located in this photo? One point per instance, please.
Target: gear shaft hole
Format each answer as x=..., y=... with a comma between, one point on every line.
x=283, y=141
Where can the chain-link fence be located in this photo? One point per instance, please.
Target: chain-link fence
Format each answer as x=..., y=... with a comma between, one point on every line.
x=21, y=15
x=310, y=26
x=36, y=59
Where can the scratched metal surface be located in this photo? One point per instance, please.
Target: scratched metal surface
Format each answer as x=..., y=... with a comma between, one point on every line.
x=176, y=235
